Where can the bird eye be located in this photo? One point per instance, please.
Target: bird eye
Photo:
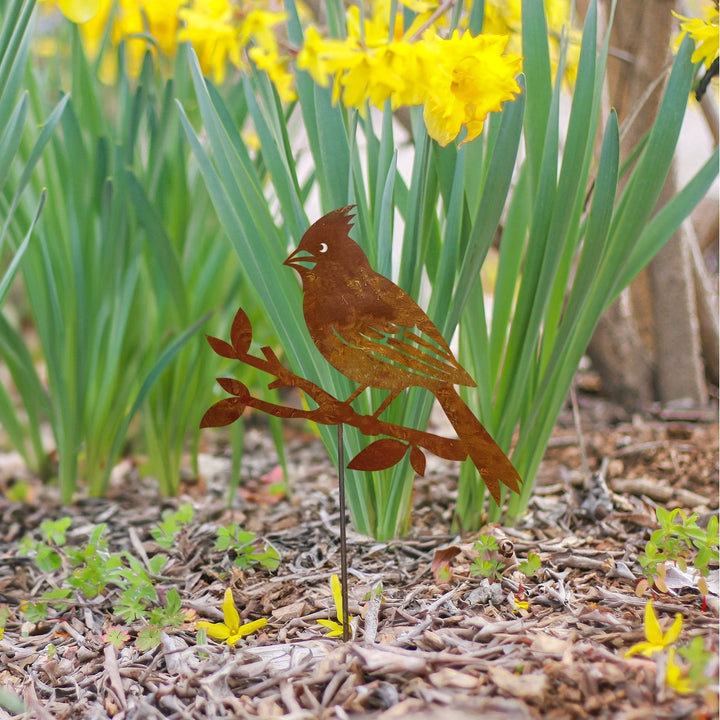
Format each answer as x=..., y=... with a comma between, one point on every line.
x=323, y=247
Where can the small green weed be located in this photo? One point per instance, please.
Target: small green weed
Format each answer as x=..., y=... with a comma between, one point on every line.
x=248, y=550
x=171, y=524
x=531, y=565
x=489, y=565
x=34, y=612
x=681, y=541
x=485, y=564
x=117, y=636
x=88, y=569
x=698, y=659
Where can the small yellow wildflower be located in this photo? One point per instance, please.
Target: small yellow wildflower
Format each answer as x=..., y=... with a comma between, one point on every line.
x=230, y=630
x=336, y=628
x=657, y=641
x=705, y=32
x=2, y=633
x=674, y=676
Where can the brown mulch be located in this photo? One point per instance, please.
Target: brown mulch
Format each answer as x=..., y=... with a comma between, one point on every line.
x=422, y=648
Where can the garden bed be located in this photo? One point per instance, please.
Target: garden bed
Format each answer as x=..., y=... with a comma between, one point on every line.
x=423, y=648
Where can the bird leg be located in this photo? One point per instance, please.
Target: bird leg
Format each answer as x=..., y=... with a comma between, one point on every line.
x=391, y=396
x=355, y=394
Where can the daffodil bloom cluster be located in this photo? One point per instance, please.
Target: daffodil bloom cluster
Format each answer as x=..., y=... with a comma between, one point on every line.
x=458, y=80
x=230, y=630
x=656, y=640
x=221, y=31
x=336, y=628
x=704, y=31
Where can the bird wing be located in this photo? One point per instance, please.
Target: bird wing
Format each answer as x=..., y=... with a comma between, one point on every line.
x=425, y=354
x=409, y=338
x=366, y=311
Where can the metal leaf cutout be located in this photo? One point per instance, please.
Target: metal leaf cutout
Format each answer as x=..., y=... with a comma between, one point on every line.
x=379, y=455
x=221, y=347
x=222, y=413
x=234, y=387
x=417, y=460
x=241, y=332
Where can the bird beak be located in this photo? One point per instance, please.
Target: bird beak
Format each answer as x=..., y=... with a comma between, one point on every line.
x=301, y=260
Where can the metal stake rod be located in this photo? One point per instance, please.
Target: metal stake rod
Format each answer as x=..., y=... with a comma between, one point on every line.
x=343, y=536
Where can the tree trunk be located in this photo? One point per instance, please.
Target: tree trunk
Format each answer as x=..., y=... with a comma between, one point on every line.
x=678, y=364
x=616, y=344
x=653, y=350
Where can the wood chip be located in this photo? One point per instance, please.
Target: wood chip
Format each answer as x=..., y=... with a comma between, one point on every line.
x=447, y=677
x=528, y=686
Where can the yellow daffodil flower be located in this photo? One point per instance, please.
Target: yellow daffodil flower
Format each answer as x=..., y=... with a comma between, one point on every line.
x=321, y=57
x=259, y=25
x=504, y=17
x=79, y=11
x=674, y=675
x=310, y=58
x=705, y=32
x=230, y=630
x=335, y=628
x=372, y=32
x=159, y=19
x=276, y=68
x=471, y=79
x=211, y=29
x=657, y=641
x=93, y=29
x=457, y=80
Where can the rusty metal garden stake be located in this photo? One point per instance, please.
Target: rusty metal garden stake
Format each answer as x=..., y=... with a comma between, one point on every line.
x=370, y=330
x=343, y=535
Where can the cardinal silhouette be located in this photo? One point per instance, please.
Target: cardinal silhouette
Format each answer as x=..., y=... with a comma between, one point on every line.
x=374, y=333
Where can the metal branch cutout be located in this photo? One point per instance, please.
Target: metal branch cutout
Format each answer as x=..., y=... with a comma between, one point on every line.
x=374, y=333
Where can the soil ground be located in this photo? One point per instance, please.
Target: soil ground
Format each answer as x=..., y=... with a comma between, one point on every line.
x=426, y=644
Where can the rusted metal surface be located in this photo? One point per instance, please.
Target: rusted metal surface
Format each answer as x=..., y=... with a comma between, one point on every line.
x=374, y=333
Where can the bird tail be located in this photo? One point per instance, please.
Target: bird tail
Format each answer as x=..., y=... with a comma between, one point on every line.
x=491, y=462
